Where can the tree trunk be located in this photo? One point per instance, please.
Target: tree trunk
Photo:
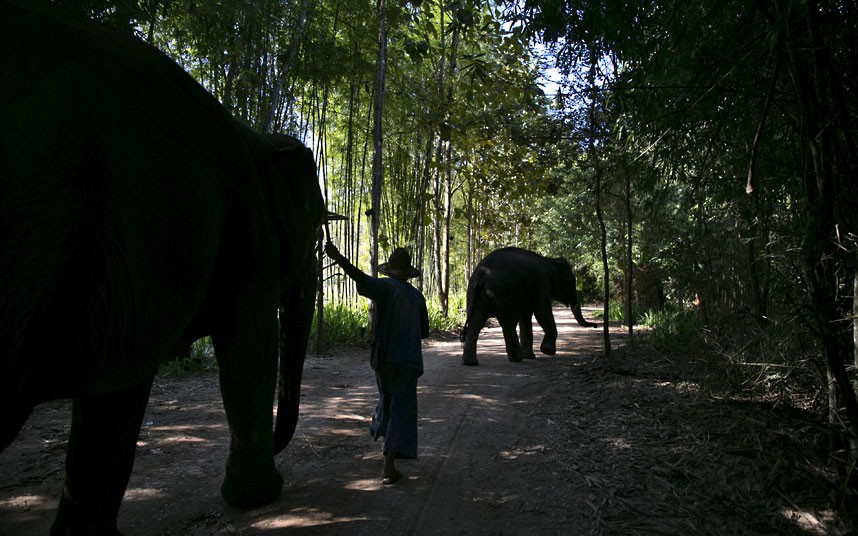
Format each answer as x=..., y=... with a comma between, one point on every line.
x=629, y=263
x=603, y=240
x=597, y=172
x=377, y=145
x=444, y=282
x=377, y=139
x=424, y=189
x=853, y=443
x=439, y=156
x=822, y=254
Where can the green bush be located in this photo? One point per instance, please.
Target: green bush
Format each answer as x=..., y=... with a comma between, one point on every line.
x=453, y=320
x=671, y=328
x=199, y=358
x=616, y=312
x=344, y=324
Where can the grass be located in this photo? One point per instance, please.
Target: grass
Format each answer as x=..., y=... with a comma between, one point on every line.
x=344, y=325
x=200, y=357
x=349, y=325
x=616, y=312
x=671, y=328
x=453, y=320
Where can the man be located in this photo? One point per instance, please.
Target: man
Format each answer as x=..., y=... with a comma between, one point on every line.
x=395, y=355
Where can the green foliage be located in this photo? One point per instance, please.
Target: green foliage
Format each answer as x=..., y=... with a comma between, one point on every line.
x=349, y=325
x=616, y=312
x=455, y=317
x=671, y=329
x=200, y=358
x=344, y=325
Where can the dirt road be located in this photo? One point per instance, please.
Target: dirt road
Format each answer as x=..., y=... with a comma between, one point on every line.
x=559, y=445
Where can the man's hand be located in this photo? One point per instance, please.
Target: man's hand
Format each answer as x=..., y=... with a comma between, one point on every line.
x=352, y=271
x=332, y=252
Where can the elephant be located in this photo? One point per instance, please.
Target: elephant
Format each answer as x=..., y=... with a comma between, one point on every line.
x=513, y=285
x=136, y=216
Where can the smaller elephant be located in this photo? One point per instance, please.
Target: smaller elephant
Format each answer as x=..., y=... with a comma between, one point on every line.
x=513, y=285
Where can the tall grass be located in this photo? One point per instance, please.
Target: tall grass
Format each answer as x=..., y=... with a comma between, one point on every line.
x=349, y=325
x=671, y=328
x=200, y=357
x=344, y=325
x=616, y=312
x=453, y=320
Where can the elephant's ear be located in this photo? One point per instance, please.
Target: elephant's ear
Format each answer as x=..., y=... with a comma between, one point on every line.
x=297, y=210
x=296, y=203
x=561, y=278
x=559, y=268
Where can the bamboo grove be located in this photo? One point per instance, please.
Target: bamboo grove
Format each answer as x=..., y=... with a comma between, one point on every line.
x=458, y=88
x=696, y=155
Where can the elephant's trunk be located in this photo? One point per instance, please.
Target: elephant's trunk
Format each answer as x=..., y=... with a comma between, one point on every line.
x=287, y=406
x=296, y=317
x=576, y=310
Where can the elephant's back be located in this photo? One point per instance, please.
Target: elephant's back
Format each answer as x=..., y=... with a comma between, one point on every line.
x=512, y=262
x=111, y=218
x=505, y=276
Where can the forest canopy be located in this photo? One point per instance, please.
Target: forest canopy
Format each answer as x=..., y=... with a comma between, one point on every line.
x=694, y=157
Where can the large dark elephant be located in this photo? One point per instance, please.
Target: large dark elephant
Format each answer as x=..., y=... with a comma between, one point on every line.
x=514, y=285
x=137, y=215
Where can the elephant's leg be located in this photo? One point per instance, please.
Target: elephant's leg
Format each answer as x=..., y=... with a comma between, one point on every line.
x=510, y=338
x=246, y=351
x=475, y=325
x=99, y=459
x=546, y=319
x=12, y=419
x=525, y=328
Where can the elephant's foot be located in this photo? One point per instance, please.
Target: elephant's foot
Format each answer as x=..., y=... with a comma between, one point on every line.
x=529, y=354
x=469, y=355
x=515, y=357
x=93, y=513
x=247, y=489
x=76, y=523
x=548, y=348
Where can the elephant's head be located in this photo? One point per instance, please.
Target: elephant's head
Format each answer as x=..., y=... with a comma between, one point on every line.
x=564, y=289
x=563, y=285
x=299, y=210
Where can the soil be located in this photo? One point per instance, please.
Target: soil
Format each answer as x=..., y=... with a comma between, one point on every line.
x=568, y=444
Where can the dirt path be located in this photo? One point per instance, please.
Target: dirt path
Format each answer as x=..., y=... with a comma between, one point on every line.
x=561, y=445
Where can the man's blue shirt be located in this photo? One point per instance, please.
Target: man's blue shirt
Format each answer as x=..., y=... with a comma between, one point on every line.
x=401, y=322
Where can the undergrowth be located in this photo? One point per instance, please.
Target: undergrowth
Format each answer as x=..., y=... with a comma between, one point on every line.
x=344, y=325
x=616, y=312
x=671, y=328
x=198, y=358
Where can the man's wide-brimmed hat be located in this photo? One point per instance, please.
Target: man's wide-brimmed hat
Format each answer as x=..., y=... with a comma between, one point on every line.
x=398, y=266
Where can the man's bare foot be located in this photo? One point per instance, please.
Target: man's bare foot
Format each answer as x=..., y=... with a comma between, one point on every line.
x=390, y=475
x=388, y=480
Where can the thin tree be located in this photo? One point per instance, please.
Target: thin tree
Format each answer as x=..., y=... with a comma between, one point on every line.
x=377, y=138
